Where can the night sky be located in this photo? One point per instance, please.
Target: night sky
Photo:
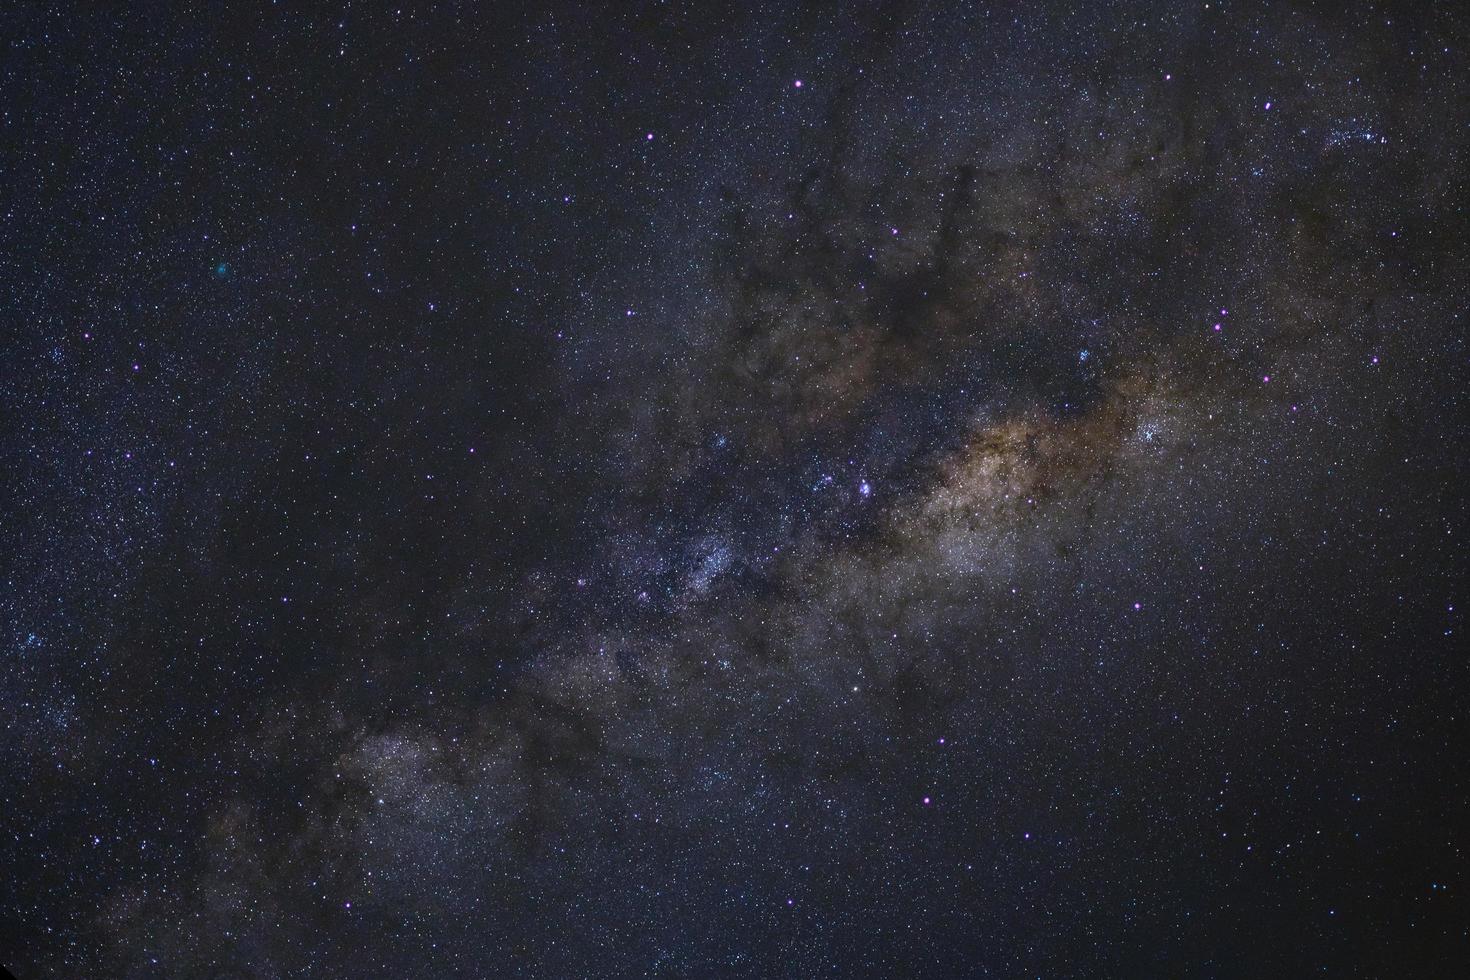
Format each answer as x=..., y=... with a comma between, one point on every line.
x=751, y=490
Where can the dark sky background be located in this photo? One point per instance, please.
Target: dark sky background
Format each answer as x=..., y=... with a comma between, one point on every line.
x=694, y=490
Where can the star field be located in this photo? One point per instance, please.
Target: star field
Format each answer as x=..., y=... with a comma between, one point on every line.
x=662, y=490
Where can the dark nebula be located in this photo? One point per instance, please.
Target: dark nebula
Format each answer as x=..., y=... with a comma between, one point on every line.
x=703, y=490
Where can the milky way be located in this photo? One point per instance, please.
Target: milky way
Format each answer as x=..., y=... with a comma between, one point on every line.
x=903, y=490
